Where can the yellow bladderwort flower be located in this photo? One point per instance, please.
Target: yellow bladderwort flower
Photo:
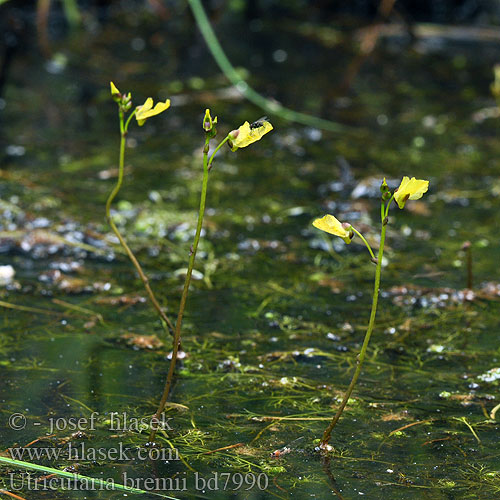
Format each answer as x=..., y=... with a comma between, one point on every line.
x=147, y=111
x=331, y=225
x=249, y=133
x=410, y=189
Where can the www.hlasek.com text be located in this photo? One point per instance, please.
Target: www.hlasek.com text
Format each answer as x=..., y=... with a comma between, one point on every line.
x=82, y=452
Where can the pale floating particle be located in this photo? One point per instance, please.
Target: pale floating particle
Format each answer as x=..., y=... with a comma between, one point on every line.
x=280, y=56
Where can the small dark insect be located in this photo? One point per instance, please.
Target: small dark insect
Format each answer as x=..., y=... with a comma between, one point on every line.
x=259, y=122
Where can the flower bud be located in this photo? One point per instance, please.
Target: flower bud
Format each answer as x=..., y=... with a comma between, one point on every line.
x=209, y=124
x=466, y=246
x=232, y=136
x=207, y=121
x=386, y=196
x=127, y=102
x=384, y=189
x=115, y=93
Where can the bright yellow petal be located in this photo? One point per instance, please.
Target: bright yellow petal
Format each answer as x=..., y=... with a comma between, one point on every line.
x=331, y=225
x=159, y=108
x=242, y=135
x=410, y=189
x=114, y=90
x=148, y=104
x=248, y=134
x=147, y=111
x=417, y=188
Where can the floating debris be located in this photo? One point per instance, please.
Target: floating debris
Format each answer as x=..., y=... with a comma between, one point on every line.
x=490, y=376
x=437, y=298
x=415, y=296
x=121, y=300
x=286, y=449
x=70, y=284
x=7, y=274
x=370, y=187
x=138, y=342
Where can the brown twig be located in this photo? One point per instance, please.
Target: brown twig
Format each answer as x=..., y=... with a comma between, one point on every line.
x=409, y=425
x=35, y=310
x=467, y=248
x=43, y=438
x=8, y=493
x=437, y=440
x=275, y=482
x=42, y=17
x=237, y=445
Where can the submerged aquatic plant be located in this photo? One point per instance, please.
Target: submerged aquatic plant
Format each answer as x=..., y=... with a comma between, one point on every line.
x=409, y=189
x=141, y=113
x=247, y=134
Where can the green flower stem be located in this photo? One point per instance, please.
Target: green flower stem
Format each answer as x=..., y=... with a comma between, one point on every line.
x=269, y=106
x=385, y=210
x=366, y=243
x=187, y=281
x=116, y=189
x=361, y=357
x=124, y=128
x=215, y=151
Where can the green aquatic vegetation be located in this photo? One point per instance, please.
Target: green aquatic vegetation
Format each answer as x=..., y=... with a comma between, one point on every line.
x=141, y=113
x=279, y=291
x=409, y=189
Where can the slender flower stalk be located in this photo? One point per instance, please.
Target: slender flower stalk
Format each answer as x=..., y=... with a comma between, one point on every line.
x=409, y=189
x=124, y=103
x=177, y=332
x=366, y=244
x=361, y=357
x=467, y=248
x=215, y=152
x=248, y=134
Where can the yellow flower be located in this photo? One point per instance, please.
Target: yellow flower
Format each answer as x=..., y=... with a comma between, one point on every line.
x=249, y=133
x=410, y=189
x=331, y=225
x=147, y=111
